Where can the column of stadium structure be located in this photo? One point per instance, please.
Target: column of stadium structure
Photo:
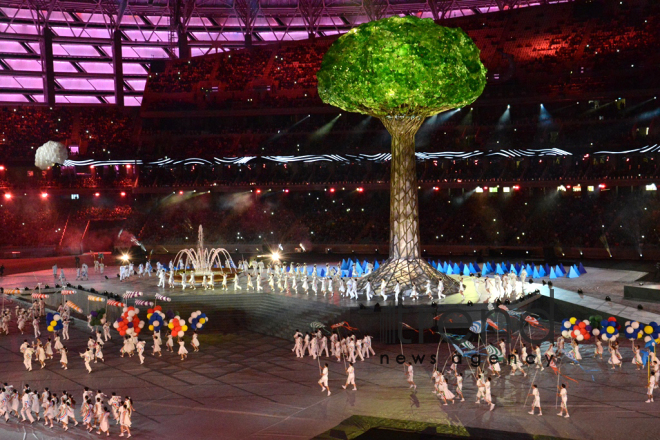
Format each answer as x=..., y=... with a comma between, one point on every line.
x=41, y=11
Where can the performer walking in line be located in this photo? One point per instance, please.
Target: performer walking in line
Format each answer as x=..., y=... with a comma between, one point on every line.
x=323, y=381
x=563, y=395
x=408, y=368
x=537, y=400
x=350, y=380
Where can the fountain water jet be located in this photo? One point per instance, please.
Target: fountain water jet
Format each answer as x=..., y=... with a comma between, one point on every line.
x=203, y=259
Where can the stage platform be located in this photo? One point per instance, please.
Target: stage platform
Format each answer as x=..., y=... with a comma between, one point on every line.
x=280, y=314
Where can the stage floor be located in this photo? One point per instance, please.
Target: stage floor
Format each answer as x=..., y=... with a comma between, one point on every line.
x=250, y=386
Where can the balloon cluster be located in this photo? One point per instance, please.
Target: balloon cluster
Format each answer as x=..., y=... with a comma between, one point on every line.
x=652, y=332
x=578, y=330
x=632, y=330
x=197, y=320
x=54, y=321
x=98, y=317
x=609, y=329
x=178, y=326
x=156, y=318
x=129, y=323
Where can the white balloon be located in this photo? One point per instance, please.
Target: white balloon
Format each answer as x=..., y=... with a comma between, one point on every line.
x=156, y=324
x=647, y=338
x=181, y=333
x=49, y=154
x=141, y=324
x=580, y=338
x=125, y=309
x=596, y=332
x=603, y=337
x=57, y=318
x=199, y=325
x=115, y=325
x=635, y=325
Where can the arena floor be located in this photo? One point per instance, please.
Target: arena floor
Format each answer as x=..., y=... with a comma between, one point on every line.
x=243, y=385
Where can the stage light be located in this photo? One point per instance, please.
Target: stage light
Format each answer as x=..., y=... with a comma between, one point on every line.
x=44, y=195
x=601, y=186
x=7, y=196
x=516, y=187
x=123, y=194
x=128, y=166
x=286, y=190
x=435, y=188
x=275, y=256
x=97, y=194
x=258, y=191
x=180, y=193
x=332, y=190
x=125, y=257
x=2, y=168
x=360, y=189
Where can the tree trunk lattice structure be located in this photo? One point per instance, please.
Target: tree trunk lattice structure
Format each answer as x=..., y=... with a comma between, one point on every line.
x=405, y=264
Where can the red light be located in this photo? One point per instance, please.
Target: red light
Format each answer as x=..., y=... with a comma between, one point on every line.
x=44, y=195
x=2, y=168
x=360, y=189
x=123, y=194
x=286, y=190
x=601, y=186
x=258, y=191
x=568, y=186
x=180, y=193
x=7, y=196
x=91, y=166
x=332, y=190
x=516, y=187
x=97, y=194
x=435, y=188
x=128, y=166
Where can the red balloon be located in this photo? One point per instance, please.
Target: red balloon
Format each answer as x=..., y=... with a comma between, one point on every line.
x=122, y=332
x=587, y=336
x=611, y=318
x=131, y=308
x=159, y=308
x=582, y=325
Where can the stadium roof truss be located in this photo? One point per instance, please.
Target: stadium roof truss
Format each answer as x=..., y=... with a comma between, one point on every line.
x=85, y=35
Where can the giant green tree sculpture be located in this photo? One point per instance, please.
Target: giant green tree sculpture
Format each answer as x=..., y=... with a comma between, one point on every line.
x=402, y=70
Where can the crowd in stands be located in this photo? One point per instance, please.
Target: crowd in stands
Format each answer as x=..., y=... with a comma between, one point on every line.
x=553, y=50
x=525, y=217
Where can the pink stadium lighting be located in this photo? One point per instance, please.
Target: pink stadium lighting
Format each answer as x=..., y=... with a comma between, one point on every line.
x=601, y=186
x=123, y=194
x=44, y=195
x=360, y=190
x=332, y=190
x=286, y=190
x=258, y=191
x=97, y=194
x=7, y=196
x=180, y=193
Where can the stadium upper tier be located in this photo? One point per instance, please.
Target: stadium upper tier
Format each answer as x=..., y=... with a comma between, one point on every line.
x=103, y=51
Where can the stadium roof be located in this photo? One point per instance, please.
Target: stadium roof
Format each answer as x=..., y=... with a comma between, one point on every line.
x=150, y=29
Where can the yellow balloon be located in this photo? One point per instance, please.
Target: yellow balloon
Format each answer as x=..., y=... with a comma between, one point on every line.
x=648, y=329
x=149, y=315
x=640, y=334
x=610, y=329
x=54, y=323
x=50, y=328
x=184, y=328
x=170, y=325
x=151, y=327
x=202, y=320
x=573, y=320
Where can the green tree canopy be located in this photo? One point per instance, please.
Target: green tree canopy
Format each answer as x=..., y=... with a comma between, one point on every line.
x=401, y=66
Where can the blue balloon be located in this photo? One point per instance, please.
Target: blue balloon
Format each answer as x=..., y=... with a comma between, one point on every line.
x=130, y=325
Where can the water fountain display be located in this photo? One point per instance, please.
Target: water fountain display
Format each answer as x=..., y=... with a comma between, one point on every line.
x=205, y=261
